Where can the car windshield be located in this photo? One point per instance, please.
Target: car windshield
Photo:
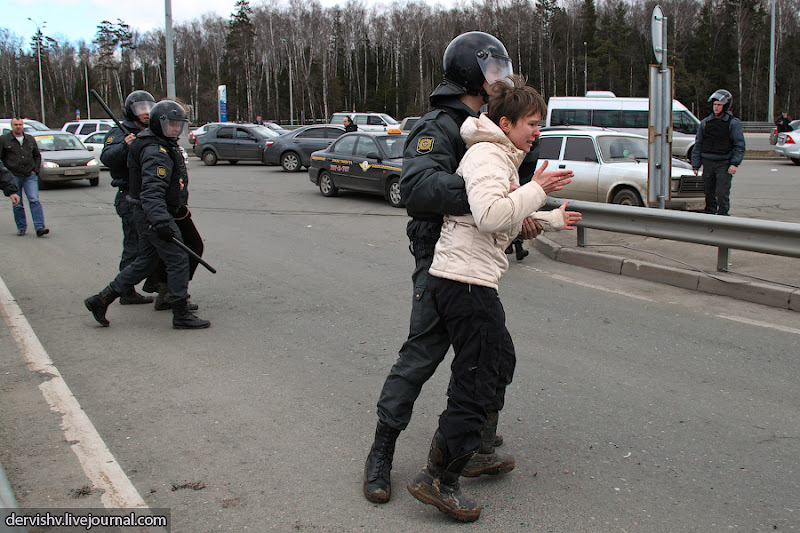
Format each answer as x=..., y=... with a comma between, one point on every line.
x=392, y=145
x=264, y=131
x=619, y=148
x=58, y=141
x=389, y=120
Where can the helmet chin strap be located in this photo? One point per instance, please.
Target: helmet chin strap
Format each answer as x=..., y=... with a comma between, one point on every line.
x=482, y=92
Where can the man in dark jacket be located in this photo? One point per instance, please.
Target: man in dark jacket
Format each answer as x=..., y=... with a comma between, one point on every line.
x=20, y=155
x=719, y=147
x=782, y=122
x=156, y=177
x=431, y=188
x=115, y=156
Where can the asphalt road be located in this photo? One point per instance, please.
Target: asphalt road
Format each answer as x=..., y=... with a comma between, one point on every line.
x=635, y=406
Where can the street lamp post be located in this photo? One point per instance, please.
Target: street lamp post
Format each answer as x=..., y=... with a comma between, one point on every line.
x=585, y=67
x=39, y=57
x=291, y=96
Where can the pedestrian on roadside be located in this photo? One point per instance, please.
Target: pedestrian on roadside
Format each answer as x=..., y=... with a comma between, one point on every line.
x=115, y=156
x=20, y=155
x=7, y=184
x=431, y=188
x=719, y=148
x=259, y=121
x=156, y=177
x=782, y=122
x=349, y=125
x=468, y=262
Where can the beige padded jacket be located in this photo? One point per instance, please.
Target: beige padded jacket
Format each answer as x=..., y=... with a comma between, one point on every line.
x=471, y=248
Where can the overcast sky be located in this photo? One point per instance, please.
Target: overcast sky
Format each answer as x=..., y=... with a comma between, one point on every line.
x=78, y=19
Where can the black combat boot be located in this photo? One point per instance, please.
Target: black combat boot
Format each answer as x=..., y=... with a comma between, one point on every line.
x=131, y=297
x=378, y=468
x=522, y=253
x=486, y=461
x=183, y=319
x=437, y=483
x=98, y=304
x=161, y=300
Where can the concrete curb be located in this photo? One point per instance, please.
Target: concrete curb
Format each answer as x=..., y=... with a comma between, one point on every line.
x=721, y=284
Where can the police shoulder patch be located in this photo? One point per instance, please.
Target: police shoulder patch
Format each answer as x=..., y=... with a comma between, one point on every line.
x=110, y=139
x=161, y=171
x=425, y=145
x=162, y=149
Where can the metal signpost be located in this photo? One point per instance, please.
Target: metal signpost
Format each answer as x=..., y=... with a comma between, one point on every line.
x=659, y=152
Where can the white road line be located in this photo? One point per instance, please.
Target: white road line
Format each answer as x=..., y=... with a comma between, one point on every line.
x=96, y=459
x=600, y=288
x=760, y=324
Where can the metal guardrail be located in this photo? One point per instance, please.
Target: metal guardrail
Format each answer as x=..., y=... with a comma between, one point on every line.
x=757, y=127
x=725, y=233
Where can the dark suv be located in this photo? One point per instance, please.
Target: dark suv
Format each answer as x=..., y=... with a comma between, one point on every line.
x=233, y=143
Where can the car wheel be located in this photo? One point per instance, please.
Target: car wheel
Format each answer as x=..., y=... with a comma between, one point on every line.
x=94, y=182
x=393, y=192
x=326, y=186
x=290, y=162
x=209, y=158
x=795, y=160
x=627, y=197
x=233, y=161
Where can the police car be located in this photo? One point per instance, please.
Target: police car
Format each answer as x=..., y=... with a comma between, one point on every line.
x=361, y=161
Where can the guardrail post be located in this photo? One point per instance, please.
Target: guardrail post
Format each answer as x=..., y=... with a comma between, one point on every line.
x=582, y=237
x=723, y=259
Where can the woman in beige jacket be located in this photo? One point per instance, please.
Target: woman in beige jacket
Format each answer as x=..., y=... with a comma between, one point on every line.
x=468, y=263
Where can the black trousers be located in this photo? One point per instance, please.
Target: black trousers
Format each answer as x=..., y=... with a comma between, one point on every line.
x=484, y=361
x=190, y=237
x=717, y=186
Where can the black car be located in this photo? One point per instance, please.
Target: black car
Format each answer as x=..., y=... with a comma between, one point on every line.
x=361, y=161
x=293, y=150
x=233, y=143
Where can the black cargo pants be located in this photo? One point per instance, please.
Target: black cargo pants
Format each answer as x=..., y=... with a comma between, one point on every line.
x=484, y=360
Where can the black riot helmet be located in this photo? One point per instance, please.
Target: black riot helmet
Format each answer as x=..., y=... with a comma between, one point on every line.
x=138, y=103
x=469, y=60
x=168, y=119
x=722, y=96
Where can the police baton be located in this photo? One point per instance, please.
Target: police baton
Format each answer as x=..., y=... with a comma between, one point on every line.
x=110, y=114
x=193, y=255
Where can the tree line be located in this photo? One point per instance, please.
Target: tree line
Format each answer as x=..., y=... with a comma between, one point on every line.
x=389, y=59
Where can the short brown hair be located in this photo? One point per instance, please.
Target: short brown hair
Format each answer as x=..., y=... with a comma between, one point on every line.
x=515, y=101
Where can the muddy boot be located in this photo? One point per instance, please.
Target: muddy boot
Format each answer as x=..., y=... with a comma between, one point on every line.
x=487, y=461
x=161, y=300
x=98, y=304
x=377, y=483
x=437, y=483
x=183, y=319
x=131, y=297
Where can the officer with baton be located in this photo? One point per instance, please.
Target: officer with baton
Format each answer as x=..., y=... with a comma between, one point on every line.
x=157, y=174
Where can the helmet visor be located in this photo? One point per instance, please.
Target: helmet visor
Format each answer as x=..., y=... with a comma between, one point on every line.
x=142, y=108
x=494, y=66
x=172, y=129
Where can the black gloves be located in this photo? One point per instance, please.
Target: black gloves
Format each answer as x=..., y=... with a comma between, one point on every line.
x=164, y=232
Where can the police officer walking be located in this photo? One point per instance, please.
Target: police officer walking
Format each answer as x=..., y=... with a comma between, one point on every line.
x=115, y=156
x=156, y=176
x=719, y=147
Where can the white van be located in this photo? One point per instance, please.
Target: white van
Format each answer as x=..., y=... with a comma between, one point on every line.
x=606, y=110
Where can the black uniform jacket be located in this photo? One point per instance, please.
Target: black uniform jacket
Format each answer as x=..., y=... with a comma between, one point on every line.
x=115, y=154
x=20, y=159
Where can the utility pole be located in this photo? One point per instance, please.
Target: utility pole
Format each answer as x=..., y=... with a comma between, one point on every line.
x=585, y=67
x=770, y=101
x=170, y=49
x=39, y=56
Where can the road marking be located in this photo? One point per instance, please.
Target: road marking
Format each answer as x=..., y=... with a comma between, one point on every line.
x=96, y=459
x=599, y=288
x=761, y=324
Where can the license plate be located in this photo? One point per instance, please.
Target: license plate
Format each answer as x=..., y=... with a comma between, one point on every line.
x=74, y=172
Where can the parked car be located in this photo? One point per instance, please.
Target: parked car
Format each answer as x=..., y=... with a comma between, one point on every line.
x=367, y=121
x=407, y=123
x=28, y=125
x=84, y=128
x=611, y=167
x=202, y=130
x=789, y=142
x=361, y=161
x=293, y=150
x=96, y=141
x=233, y=143
x=65, y=158
x=276, y=127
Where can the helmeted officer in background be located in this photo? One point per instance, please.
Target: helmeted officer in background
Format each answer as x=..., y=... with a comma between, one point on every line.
x=719, y=147
x=115, y=156
x=156, y=177
x=431, y=188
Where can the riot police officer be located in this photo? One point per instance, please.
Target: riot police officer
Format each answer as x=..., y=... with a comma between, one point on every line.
x=156, y=176
x=719, y=147
x=115, y=156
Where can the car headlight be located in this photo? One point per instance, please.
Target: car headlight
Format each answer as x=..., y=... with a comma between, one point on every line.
x=676, y=184
x=92, y=163
x=49, y=164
